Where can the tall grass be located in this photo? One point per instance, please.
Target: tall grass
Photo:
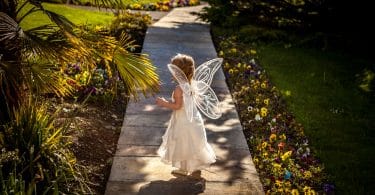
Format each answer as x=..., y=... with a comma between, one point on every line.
x=35, y=155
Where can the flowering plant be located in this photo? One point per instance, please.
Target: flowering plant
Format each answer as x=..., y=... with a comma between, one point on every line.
x=165, y=5
x=280, y=150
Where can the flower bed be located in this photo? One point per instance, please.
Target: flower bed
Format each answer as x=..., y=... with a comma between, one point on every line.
x=162, y=5
x=279, y=147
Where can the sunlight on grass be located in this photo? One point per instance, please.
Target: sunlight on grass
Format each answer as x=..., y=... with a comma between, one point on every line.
x=337, y=115
x=77, y=16
x=126, y=2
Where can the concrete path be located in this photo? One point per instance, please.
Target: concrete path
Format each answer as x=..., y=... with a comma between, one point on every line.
x=136, y=168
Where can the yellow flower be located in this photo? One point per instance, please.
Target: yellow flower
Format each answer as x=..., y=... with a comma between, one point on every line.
x=280, y=190
x=233, y=50
x=272, y=137
x=255, y=160
x=282, y=137
x=239, y=65
x=221, y=53
x=266, y=101
x=287, y=184
x=263, y=111
x=231, y=71
x=286, y=155
x=253, y=52
x=306, y=189
x=263, y=85
x=307, y=174
x=226, y=65
x=264, y=145
x=257, y=100
x=277, y=166
x=295, y=192
x=278, y=183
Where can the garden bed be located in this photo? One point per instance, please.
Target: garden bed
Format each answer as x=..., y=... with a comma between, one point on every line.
x=94, y=129
x=285, y=161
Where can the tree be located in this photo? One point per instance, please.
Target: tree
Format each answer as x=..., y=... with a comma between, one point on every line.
x=30, y=59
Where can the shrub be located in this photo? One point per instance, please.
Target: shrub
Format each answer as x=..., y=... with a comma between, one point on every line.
x=35, y=157
x=250, y=34
x=133, y=24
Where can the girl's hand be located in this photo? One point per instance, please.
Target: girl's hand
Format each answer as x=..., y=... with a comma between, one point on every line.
x=160, y=101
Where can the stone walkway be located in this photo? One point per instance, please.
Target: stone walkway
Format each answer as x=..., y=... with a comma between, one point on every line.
x=136, y=168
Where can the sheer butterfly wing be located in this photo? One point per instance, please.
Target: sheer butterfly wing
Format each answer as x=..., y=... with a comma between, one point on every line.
x=206, y=100
x=179, y=75
x=207, y=70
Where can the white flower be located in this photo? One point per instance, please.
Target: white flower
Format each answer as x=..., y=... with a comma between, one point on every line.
x=249, y=108
x=257, y=117
x=308, y=151
x=274, y=120
x=252, y=61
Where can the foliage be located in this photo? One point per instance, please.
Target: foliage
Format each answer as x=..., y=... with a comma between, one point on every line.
x=280, y=149
x=148, y=5
x=334, y=23
x=31, y=58
x=132, y=24
x=34, y=156
x=296, y=14
x=32, y=62
x=332, y=96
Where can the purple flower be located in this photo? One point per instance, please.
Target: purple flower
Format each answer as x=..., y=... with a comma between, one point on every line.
x=328, y=188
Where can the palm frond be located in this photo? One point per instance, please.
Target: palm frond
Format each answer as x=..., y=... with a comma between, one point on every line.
x=10, y=86
x=61, y=21
x=44, y=77
x=108, y=3
x=45, y=41
x=137, y=72
x=10, y=31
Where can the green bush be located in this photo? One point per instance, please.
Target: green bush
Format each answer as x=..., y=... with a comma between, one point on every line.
x=35, y=158
x=250, y=34
x=133, y=24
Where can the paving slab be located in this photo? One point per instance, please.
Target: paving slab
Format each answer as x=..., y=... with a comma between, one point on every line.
x=136, y=167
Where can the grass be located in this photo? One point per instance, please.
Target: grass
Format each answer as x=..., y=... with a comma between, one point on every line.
x=76, y=15
x=127, y=2
x=324, y=95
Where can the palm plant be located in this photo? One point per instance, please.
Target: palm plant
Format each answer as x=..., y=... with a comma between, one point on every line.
x=34, y=158
x=30, y=59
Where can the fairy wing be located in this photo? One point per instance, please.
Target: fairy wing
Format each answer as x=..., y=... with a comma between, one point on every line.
x=206, y=71
x=180, y=76
x=206, y=100
x=199, y=93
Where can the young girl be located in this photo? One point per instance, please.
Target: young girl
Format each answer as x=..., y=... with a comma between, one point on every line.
x=184, y=143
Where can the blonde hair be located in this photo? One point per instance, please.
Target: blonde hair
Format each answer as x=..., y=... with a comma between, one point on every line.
x=185, y=63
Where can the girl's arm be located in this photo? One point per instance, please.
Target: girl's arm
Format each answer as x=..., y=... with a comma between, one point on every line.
x=177, y=104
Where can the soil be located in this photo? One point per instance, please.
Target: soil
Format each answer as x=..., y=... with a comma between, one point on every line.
x=95, y=129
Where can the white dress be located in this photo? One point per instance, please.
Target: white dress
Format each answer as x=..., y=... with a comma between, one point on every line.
x=186, y=141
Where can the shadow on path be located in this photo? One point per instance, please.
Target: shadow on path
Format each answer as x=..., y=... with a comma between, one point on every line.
x=181, y=185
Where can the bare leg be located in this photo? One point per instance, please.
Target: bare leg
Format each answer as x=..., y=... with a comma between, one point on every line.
x=184, y=165
x=182, y=170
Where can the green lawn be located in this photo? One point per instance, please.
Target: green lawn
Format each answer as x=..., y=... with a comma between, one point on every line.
x=77, y=16
x=126, y=2
x=337, y=114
